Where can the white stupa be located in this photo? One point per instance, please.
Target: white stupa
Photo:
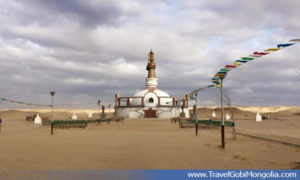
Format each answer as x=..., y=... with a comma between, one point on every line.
x=74, y=116
x=227, y=116
x=151, y=102
x=37, y=119
x=213, y=114
x=90, y=115
x=258, y=117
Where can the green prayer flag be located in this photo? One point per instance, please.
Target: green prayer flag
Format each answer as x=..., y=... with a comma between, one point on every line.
x=247, y=58
x=224, y=70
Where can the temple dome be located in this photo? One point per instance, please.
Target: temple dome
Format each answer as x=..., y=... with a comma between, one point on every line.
x=158, y=92
x=151, y=98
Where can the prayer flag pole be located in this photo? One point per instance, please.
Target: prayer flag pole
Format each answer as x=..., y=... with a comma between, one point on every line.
x=222, y=115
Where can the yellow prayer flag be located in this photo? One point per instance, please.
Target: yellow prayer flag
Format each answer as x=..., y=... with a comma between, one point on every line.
x=236, y=63
x=273, y=49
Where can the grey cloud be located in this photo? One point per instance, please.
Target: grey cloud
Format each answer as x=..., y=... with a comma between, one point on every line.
x=86, y=12
x=86, y=50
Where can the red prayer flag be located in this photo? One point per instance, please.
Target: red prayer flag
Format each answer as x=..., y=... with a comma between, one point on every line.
x=230, y=66
x=260, y=53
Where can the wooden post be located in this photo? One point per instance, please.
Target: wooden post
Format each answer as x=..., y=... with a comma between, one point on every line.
x=233, y=131
x=51, y=128
x=142, y=102
x=128, y=102
x=0, y=123
x=158, y=101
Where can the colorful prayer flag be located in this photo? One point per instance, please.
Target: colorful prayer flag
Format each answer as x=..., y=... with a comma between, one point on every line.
x=230, y=66
x=273, y=49
x=224, y=70
x=284, y=45
x=247, y=58
x=260, y=53
x=237, y=64
x=221, y=74
x=241, y=61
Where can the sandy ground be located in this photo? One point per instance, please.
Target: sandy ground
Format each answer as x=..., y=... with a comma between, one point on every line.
x=146, y=144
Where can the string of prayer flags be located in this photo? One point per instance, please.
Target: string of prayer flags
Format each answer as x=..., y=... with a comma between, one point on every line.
x=221, y=74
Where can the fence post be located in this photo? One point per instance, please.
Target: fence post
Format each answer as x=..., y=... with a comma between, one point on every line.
x=51, y=127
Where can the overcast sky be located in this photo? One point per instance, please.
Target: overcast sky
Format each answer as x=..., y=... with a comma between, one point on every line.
x=89, y=50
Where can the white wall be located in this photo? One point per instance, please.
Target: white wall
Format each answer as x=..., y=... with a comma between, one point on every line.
x=162, y=112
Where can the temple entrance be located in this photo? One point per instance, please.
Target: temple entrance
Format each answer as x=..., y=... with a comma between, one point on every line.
x=150, y=113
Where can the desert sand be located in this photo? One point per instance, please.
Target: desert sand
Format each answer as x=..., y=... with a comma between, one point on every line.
x=150, y=143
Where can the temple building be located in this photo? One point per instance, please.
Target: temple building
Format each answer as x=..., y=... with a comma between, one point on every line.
x=151, y=102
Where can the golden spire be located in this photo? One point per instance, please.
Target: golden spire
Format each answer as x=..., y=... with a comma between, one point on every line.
x=151, y=65
x=151, y=57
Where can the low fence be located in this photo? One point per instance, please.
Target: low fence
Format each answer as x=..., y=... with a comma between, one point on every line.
x=31, y=118
x=185, y=123
x=74, y=123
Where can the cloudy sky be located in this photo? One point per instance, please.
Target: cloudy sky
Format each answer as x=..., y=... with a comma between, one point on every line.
x=89, y=50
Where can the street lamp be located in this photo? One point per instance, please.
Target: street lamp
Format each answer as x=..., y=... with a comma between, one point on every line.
x=177, y=110
x=98, y=103
x=52, y=93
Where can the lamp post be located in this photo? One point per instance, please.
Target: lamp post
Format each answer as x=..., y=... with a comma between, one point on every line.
x=177, y=112
x=222, y=115
x=52, y=93
x=176, y=117
x=196, y=122
x=98, y=103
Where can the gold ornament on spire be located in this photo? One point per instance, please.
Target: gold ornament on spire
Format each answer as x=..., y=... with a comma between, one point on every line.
x=151, y=65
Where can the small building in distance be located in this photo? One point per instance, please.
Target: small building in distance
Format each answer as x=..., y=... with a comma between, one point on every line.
x=151, y=102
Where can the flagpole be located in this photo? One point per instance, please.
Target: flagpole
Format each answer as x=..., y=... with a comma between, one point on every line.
x=222, y=116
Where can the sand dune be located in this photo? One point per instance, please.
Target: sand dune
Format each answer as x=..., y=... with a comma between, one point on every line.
x=260, y=109
x=249, y=113
x=62, y=110
x=269, y=109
